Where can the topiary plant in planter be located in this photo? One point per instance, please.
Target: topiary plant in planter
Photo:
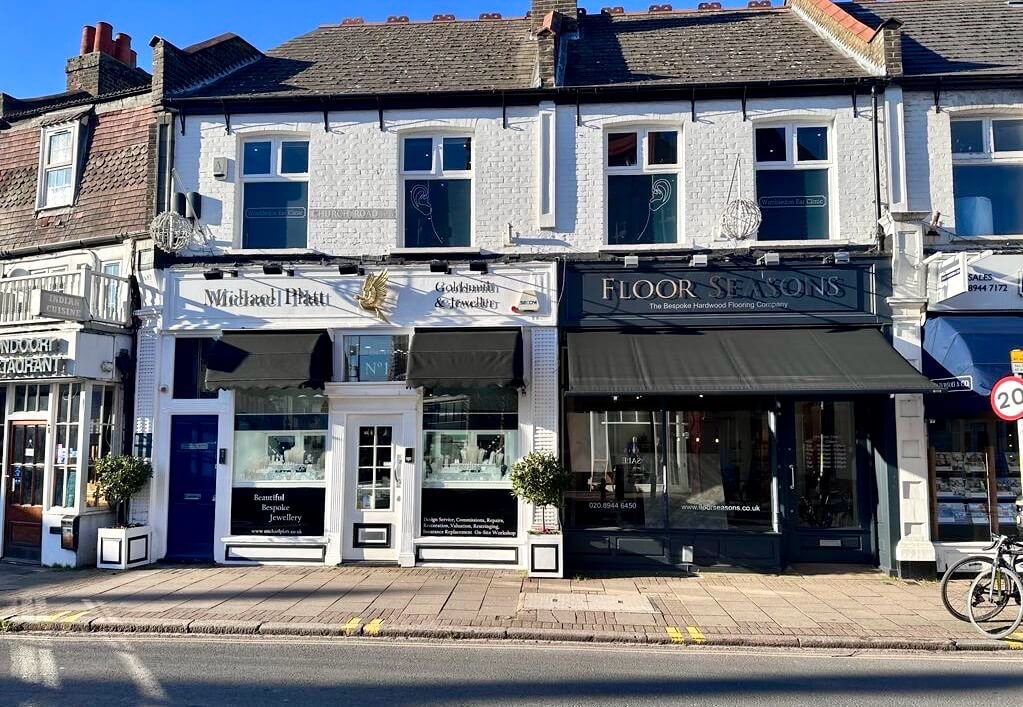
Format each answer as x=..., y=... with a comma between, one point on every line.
x=540, y=479
x=118, y=478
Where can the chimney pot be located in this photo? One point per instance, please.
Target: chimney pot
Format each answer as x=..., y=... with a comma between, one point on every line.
x=353, y=21
x=104, y=38
x=88, y=40
x=133, y=58
x=122, y=48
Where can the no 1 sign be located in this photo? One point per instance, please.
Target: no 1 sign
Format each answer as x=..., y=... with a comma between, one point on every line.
x=1007, y=398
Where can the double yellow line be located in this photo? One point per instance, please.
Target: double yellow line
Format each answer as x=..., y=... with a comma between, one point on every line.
x=676, y=636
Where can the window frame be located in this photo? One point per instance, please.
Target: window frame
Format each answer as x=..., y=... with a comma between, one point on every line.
x=275, y=175
x=436, y=173
x=791, y=163
x=46, y=133
x=988, y=156
x=643, y=167
x=341, y=354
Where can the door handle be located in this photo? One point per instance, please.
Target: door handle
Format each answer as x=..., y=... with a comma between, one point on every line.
x=792, y=477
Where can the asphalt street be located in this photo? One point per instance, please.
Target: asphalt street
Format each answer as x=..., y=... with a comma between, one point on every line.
x=131, y=670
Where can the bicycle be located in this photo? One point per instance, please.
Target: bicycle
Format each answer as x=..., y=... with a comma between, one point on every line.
x=981, y=598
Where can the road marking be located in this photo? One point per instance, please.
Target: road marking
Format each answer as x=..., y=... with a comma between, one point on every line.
x=353, y=625
x=54, y=617
x=35, y=666
x=674, y=634
x=695, y=634
x=373, y=627
x=149, y=687
x=74, y=616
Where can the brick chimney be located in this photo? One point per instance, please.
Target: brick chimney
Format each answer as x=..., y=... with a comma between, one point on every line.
x=553, y=22
x=105, y=64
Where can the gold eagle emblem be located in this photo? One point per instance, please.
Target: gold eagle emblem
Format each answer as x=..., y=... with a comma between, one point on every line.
x=373, y=297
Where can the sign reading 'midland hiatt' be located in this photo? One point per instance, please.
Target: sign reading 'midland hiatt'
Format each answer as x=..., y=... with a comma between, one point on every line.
x=277, y=297
x=33, y=357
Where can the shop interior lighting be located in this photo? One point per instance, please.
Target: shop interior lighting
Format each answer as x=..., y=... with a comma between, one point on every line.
x=699, y=261
x=440, y=266
x=478, y=266
x=769, y=259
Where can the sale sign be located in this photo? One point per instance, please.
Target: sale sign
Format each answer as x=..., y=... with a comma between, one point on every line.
x=1007, y=398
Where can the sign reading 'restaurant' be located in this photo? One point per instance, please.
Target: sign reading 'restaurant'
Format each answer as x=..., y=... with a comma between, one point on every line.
x=33, y=357
x=665, y=294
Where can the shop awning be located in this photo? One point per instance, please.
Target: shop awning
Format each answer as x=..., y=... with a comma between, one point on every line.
x=737, y=361
x=270, y=360
x=974, y=349
x=465, y=358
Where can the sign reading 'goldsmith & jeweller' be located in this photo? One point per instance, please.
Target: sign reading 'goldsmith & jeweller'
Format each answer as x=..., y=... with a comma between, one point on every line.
x=33, y=357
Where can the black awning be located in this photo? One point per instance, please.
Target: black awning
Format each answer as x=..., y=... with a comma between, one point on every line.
x=735, y=361
x=270, y=360
x=465, y=358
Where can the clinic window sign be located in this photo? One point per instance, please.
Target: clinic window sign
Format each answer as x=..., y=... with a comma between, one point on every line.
x=34, y=357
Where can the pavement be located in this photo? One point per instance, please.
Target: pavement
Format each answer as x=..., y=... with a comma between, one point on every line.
x=814, y=606
x=123, y=669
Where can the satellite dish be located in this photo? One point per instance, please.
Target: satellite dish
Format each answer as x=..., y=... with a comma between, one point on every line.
x=741, y=219
x=171, y=232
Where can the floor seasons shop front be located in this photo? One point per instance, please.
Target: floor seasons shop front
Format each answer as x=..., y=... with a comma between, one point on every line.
x=732, y=416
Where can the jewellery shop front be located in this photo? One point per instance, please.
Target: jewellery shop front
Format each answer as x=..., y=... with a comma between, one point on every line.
x=61, y=399
x=727, y=415
x=327, y=414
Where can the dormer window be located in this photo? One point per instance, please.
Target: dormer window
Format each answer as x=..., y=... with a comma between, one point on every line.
x=58, y=166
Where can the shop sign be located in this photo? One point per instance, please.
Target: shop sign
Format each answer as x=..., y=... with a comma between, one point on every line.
x=953, y=277
x=956, y=384
x=671, y=295
x=992, y=282
x=34, y=357
x=277, y=511
x=59, y=305
x=1016, y=361
x=469, y=513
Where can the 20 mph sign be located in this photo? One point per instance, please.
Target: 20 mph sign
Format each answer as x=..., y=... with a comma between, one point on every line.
x=1007, y=398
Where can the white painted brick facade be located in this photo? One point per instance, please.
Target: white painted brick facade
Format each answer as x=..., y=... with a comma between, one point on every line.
x=355, y=165
x=928, y=142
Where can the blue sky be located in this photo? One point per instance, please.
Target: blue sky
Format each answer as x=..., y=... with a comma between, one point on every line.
x=37, y=36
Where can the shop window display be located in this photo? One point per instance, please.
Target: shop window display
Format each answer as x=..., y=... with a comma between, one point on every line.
x=976, y=477
x=280, y=435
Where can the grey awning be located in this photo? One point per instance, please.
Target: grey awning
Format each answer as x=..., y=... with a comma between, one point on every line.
x=465, y=358
x=735, y=361
x=270, y=360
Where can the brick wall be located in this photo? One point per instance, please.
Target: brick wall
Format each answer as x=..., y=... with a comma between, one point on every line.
x=355, y=166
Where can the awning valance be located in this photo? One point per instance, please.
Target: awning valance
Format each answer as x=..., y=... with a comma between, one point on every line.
x=465, y=358
x=974, y=349
x=270, y=360
x=736, y=361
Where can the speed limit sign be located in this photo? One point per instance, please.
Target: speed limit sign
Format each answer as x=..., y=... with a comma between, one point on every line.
x=1007, y=398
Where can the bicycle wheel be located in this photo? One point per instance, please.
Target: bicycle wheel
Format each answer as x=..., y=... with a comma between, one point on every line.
x=995, y=607
x=955, y=583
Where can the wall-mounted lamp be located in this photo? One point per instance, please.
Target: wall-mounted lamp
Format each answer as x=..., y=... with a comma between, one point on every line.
x=273, y=269
x=349, y=269
x=770, y=259
x=842, y=257
x=479, y=266
x=214, y=274
x=698, y=261
x=631, y=261
x=440, y=266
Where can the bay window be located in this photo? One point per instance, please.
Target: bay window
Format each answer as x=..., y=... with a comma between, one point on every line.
x=987, y=176
x=437, y=190
x=275, y=193
x=642, y=182
x=793, y=164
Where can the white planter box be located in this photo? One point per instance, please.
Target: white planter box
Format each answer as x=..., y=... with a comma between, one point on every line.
x=546, y=555
x=123, y=548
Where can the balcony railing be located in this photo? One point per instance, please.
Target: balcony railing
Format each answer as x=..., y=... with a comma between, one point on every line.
x=106, y=296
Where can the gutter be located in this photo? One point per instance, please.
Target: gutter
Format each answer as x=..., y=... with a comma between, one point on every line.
x=83, y=243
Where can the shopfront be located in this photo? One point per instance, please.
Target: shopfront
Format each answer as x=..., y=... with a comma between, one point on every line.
x=974, y=320
x=327, y=415
x=726, y=415
x=61, y=398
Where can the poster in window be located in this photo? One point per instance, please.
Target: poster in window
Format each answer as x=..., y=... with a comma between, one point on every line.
x=469, y=513
x=277, y=511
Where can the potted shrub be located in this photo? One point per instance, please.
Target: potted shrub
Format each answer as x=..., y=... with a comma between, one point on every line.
x=540, y=479
x=126, y=545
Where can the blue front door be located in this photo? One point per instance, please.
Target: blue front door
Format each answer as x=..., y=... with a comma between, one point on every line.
x=193, y=488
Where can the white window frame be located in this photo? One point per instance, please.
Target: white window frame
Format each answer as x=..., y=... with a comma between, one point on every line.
x=274, y=175
x=42, y=198
x=791, y=163
x=642, y=167
x=436, y=172
x=341, y=354
x=987, y=157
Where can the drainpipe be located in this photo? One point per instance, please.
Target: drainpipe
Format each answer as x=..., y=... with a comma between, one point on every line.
x=877, y=171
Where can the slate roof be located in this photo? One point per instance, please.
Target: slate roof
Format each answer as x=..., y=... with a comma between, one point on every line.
x=416, y=57
x=702, y=47
x=952, y=37
x=112, y=194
